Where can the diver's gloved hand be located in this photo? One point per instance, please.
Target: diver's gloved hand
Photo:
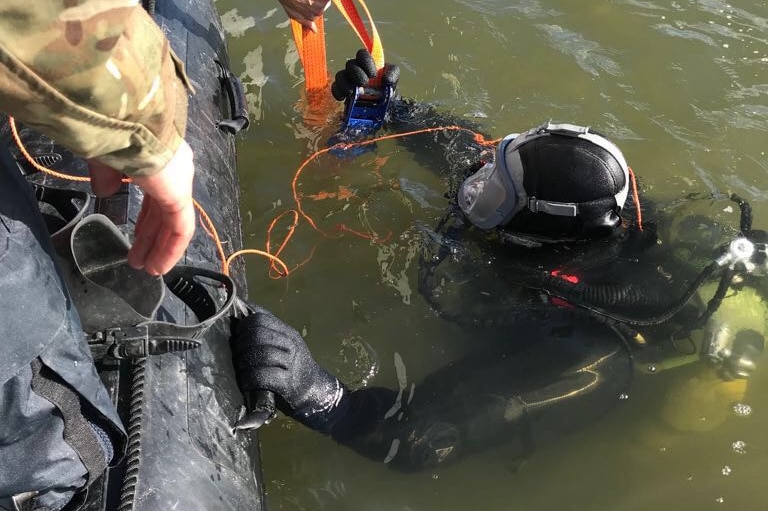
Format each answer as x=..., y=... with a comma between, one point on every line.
x=270, y=355
x=358, y=71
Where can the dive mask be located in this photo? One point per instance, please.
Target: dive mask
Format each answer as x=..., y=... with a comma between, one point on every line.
x=496, y=192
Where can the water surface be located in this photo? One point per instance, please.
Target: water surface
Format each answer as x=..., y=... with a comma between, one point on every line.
x=680, y=86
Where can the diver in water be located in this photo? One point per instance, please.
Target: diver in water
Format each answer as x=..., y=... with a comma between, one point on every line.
x=556, y=271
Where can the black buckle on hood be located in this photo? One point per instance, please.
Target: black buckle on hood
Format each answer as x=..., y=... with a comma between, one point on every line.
x=570, y=209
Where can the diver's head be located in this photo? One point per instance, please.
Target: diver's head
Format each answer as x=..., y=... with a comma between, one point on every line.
x=557, y=182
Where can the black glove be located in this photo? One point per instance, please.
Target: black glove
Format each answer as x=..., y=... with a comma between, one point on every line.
x=358, y=71
x=270, y=355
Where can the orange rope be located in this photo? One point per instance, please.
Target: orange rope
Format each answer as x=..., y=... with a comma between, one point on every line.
x=291, y=229
x=206, y=221
x=636, y=199
x=345, y=146
x=245, y=251
x=37, y=166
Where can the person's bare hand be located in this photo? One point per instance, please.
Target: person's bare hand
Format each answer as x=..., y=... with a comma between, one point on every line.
x=305, y=11
x=166, y=221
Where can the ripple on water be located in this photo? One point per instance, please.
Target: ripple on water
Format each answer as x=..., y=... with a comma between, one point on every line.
x=589, y=55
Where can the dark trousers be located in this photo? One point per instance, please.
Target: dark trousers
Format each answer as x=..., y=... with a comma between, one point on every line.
x=57, y=423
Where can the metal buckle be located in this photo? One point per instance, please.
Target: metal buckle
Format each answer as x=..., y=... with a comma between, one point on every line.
x=137, y=341
x=566, y=129
x=121, y=343
x=569, y=209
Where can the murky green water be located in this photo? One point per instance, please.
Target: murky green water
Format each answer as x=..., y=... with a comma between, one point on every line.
x=682, y=87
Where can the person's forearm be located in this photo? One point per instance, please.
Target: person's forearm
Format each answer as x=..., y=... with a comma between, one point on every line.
x=360, y=422
x=97, y=77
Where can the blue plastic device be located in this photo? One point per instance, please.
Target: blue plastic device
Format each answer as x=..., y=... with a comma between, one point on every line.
x=364, y=112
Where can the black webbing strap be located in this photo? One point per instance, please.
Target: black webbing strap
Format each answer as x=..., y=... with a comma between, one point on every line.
x=77, y=431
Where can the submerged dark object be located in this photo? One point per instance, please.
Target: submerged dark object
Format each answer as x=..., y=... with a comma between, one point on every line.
x=170, y=378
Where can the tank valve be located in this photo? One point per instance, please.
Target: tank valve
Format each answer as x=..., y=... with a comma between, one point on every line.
x=740, y=252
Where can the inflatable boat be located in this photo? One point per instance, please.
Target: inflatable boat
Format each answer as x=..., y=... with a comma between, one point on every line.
x=162, y=345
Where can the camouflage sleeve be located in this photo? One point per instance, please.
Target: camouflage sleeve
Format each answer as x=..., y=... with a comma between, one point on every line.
x=98, y=76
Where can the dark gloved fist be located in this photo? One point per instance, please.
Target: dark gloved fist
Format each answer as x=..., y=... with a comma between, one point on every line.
x=270, y=355
x=358, y=71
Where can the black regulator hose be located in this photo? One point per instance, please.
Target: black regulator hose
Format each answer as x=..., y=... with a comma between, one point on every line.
x=611, y=294
x=745, y=220
x=712, y=306
x=594, y=297
x=745, y=223
x=590, y=297
x=579, y=295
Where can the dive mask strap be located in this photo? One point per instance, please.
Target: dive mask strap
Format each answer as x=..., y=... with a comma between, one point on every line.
x=570, y=209
x=564, y=128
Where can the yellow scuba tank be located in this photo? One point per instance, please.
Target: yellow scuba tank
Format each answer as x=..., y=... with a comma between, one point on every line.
x=730, y=343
